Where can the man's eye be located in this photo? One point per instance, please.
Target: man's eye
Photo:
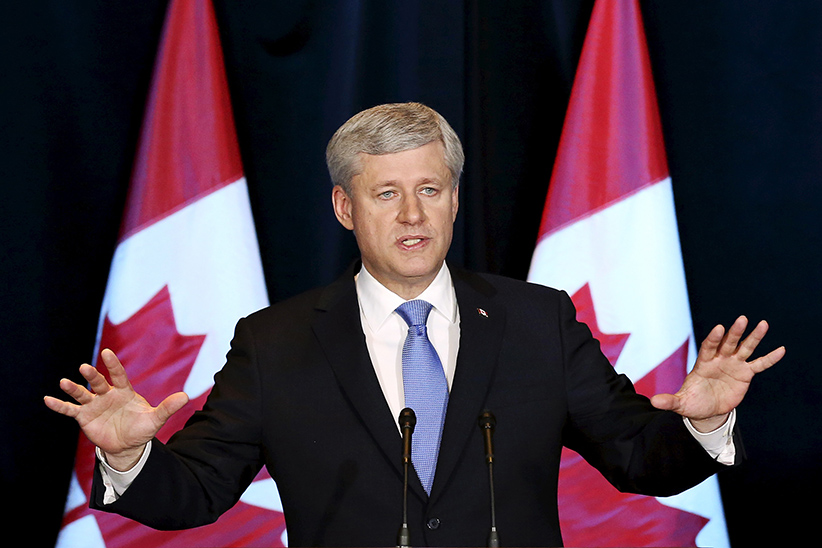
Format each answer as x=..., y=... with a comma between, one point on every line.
x=429, y=191
x=387, y=194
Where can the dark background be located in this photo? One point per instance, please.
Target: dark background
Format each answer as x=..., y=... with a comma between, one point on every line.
x=737, y=83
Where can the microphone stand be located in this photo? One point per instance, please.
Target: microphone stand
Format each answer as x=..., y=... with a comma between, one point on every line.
x=407, y=422
x=487, y=421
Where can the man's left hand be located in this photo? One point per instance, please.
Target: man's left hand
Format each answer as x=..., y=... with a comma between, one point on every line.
x=721, y=376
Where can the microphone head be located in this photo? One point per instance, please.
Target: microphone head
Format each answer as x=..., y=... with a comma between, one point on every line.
x=487, y=420
x=408, y=419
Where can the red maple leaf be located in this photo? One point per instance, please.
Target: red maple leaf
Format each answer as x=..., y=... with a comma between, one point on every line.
x=610, y=343
x=592, y=512
x=158, y=360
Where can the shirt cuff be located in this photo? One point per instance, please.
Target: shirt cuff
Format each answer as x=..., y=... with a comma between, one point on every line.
x=719, y=443
x=115, y=481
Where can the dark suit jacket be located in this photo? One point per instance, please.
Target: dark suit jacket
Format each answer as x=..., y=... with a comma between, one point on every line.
x=299, y=395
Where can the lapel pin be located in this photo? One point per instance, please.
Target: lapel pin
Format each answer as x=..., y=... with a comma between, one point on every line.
x=482, y=312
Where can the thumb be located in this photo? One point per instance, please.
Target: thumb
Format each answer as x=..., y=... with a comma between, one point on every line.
x=171, y=405
x=666, y=402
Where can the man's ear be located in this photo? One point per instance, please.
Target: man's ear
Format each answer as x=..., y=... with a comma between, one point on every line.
x=342, y=207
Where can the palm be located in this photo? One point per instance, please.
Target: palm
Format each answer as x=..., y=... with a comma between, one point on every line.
x=117, y=419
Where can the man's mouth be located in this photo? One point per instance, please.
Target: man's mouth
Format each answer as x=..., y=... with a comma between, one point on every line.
x=412, y=242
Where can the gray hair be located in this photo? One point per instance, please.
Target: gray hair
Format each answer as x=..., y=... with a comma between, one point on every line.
x=387, y=129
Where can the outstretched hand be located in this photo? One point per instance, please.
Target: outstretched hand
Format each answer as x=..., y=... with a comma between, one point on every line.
x=721, y=376
x=113, y=416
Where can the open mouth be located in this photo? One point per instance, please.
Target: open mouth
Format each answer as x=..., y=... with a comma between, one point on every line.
x=412, y=242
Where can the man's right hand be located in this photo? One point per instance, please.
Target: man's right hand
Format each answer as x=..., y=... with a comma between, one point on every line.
x=113, y=416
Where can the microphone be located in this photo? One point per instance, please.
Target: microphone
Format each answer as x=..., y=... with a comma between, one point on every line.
x=407, y=422
x=487, y=422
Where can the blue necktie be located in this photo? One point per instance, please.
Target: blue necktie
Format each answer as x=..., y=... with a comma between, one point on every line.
x=425, y=387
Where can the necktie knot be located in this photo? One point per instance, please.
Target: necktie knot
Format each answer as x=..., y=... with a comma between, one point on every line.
x=415, y=313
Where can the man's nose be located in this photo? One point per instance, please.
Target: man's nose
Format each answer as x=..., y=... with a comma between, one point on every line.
x=411, y=210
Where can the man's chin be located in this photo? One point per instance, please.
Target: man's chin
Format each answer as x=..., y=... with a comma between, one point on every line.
x=415, y=270
x=411, y=281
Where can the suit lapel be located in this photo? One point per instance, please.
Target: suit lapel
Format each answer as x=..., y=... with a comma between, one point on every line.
x=338, y=329
x=482, y=325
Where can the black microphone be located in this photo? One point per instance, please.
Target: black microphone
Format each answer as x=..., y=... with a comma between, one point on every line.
x=487, y=422
x=407, y=422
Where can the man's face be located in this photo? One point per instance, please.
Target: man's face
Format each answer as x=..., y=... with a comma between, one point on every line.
x=402, y=210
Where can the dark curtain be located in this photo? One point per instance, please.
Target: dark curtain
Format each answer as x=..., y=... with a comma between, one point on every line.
x=737, y=84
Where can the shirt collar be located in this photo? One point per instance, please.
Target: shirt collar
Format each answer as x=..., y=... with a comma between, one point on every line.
x=377, y=302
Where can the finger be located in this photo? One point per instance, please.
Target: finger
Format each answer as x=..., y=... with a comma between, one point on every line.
x=62, y=407
x=96, y=381
x=666, y=402
x=708, y=348
x=731, y=342
x=116, y=371
x=171, y=405
x=752, y=341
x=761, y=364
x=79, y=393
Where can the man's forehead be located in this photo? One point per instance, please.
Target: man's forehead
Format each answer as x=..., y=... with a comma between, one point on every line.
x=429, y=156
x=430, y=144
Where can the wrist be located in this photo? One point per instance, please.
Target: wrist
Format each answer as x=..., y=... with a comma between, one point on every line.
x=123, y=461
x=710, y=424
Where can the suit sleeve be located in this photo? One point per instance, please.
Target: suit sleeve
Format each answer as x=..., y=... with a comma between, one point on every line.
x=204, y=468
x=637, y=447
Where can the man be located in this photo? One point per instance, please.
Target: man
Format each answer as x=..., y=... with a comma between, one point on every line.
x=312, y=386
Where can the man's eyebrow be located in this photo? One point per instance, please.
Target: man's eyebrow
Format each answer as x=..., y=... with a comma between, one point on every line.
x=432, y=180
x=383, y=184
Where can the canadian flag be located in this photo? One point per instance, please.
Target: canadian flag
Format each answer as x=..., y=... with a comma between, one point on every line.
x=609, y=237
x=186, y=267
